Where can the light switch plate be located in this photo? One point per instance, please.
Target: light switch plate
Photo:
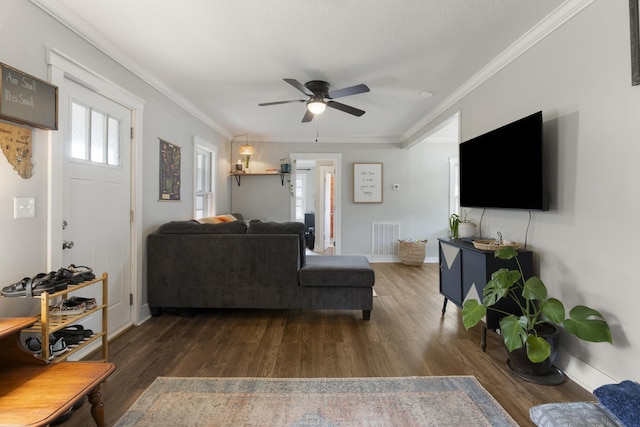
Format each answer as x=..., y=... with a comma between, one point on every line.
x=24, y=207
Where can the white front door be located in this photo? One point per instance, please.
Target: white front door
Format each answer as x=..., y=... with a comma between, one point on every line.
x=96, y=194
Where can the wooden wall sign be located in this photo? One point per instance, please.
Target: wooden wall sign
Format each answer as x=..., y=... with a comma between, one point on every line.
x=27, y=99
x=16, y=145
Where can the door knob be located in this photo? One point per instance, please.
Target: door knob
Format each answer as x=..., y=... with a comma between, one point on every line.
x=67, y=244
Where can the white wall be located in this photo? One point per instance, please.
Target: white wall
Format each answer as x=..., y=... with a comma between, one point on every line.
x=579, y=77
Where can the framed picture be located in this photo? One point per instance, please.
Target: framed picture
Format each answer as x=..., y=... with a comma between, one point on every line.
x=169, y=171
x=367, y=183
x=634, y=17
x=28, y=100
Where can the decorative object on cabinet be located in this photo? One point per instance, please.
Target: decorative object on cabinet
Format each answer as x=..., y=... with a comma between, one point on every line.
x=525, y=332
x=367, y=183
x=461, y=227
x=27, y=99
x=169, y=171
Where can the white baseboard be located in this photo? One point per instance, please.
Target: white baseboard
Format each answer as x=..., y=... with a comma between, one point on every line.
x=582, y=373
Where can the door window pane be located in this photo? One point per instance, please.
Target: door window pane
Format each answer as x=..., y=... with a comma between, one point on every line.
x=79, y=131
x=113, y=144
x=95, y=136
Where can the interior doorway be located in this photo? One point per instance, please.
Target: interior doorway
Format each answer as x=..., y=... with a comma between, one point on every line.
x=323, y=195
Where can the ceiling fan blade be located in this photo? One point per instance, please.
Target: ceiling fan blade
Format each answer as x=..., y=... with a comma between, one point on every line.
x=347, y=91
x=281, y=102
x=308, y=116
x=346, y=108
x=299, y=86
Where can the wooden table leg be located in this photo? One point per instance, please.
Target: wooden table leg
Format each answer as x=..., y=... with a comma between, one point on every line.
x=97, y=407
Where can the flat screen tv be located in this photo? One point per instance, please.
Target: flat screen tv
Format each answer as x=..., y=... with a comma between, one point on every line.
x=503, y=168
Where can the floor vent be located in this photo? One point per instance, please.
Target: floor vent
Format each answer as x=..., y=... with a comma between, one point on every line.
x=385, y=239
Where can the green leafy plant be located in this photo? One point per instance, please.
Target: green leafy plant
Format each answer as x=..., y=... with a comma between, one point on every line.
x=454, y=222
x=536, y=308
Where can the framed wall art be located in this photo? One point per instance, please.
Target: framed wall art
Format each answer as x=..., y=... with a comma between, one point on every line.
x=634, y=17
x=367, y=183
x=169, y=171
x=28, y=100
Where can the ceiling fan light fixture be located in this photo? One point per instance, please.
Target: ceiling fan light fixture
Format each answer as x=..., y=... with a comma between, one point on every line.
x=316, y=106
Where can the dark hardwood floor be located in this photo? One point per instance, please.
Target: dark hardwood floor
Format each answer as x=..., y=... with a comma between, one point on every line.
x=406, y=336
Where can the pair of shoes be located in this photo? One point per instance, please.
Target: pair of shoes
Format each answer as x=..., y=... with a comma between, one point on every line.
x=90, y=303
x=73, y=334
x=58, y=347
x=64, y=308
x=80, y=273
x=35, y=286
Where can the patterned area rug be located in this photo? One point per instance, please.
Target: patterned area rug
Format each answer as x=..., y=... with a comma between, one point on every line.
x=321, y=402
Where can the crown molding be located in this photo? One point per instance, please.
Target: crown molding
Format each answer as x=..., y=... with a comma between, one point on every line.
x=69, y=19
x=553, y=21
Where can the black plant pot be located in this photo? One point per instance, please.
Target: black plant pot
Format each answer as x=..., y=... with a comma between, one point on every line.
x=520, y=362
x=285, y=168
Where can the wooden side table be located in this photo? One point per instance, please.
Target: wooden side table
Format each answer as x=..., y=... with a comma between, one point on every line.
x=35, y=393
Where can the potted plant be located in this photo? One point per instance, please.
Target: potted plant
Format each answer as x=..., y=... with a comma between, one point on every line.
x=285, y=165
x=461, y=227
x=536, y=312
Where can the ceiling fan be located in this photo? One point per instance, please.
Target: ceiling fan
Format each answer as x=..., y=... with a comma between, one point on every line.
x=320, y=98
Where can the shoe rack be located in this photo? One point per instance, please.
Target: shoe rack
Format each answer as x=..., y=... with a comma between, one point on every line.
x=48, y=324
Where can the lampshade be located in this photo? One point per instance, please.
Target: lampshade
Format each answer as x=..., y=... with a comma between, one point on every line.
x=316, y=105
x=246, y=150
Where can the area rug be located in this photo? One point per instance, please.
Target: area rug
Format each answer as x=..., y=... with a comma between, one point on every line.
x=324, y=402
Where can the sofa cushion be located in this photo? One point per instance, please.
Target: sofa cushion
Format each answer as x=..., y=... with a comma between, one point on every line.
x=194, y=227
x=259, y=227
x=338, y=270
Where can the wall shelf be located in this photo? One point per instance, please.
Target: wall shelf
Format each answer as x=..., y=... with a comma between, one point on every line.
x=240, y=175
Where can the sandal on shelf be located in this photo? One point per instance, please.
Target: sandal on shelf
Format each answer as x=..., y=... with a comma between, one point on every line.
x=73, y=334
x=34, y=286
x=81, y=273
x=17, y=289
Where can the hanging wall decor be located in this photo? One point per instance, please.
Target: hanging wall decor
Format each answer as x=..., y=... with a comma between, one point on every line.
x=634, y=17
x=367, y=183
x=16, y=145
x=169, y=171
x=27, y=99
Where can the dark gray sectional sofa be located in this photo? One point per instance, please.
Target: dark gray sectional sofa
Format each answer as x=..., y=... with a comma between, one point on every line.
x=263, y=266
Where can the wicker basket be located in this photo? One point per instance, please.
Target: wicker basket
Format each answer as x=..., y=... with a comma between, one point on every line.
x=412, y=252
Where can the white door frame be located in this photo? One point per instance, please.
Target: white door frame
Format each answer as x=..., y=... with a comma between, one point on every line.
x=337, y=217
x=63, y=67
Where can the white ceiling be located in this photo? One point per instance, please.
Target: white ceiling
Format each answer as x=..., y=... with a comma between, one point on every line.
x=220, y=58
